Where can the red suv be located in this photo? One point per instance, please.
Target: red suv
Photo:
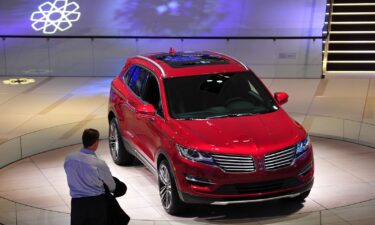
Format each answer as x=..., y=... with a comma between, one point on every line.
x=209, y=129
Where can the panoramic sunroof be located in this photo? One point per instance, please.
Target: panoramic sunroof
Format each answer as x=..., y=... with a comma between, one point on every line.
x=180, y=60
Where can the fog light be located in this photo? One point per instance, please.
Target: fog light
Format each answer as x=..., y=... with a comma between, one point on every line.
x=199, y=184
x=198, y=180
x=306, y=170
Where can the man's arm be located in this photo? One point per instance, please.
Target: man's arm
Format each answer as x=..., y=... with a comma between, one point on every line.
x=106, y=176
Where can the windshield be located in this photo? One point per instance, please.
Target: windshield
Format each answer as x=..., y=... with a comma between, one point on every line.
x=217, y=95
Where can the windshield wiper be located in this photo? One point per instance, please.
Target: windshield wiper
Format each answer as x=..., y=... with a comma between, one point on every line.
x=231, y=115
x=192, y=118
x=187, y=118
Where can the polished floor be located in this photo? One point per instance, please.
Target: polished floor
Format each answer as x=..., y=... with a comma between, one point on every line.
x=344, y=177
x=49, y=102
x=343, y=193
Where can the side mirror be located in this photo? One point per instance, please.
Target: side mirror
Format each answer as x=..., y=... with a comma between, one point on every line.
x=281, y=97
x=145, y=110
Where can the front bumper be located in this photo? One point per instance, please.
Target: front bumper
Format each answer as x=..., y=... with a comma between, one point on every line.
x=193, y=199
x=203, y=184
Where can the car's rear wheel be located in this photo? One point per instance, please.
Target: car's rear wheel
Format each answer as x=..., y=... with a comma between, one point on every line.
x=119, y=153
x=168, y=190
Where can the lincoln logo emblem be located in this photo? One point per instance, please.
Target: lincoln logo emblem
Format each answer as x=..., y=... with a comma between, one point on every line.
x=260, y=165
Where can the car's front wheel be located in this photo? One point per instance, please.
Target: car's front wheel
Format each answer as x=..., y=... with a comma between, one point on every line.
x=119, y=153
x=168, y=189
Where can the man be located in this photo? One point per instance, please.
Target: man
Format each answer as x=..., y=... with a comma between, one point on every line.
x=88, y=177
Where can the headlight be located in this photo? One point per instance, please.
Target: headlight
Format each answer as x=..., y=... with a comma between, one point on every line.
x=302, y=146
x=195, y=155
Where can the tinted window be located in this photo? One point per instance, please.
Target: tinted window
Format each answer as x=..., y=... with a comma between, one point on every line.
x=145, y=85
x=217, y=95
x=134, y=76
x=129, y=74
x=137, y=80
x=151, y=94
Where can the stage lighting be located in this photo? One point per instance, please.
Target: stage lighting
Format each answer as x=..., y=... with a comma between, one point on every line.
x=56, y=16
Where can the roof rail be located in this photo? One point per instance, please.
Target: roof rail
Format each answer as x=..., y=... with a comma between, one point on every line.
x=153, y=62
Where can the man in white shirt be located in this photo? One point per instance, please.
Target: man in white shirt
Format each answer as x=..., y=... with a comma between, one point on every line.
x=87, y=176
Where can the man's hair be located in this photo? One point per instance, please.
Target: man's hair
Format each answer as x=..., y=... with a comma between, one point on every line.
x=89, y=137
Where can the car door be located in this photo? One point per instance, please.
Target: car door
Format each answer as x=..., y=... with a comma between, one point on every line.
x=129, y=103
x=149, y=128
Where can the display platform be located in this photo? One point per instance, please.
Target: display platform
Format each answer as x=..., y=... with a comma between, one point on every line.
x=344, y=178
x=53, y=111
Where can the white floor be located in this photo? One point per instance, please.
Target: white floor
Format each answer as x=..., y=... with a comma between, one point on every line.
x=339, y=108
x=50, y=101
x=344, y=177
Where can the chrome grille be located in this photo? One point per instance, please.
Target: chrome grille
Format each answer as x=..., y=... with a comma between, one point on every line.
x=279, y=159
x=235, y=163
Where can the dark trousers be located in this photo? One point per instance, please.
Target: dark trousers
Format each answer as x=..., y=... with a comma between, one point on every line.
x=89, y=211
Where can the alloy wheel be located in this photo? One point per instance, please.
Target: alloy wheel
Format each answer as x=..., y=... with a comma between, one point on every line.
x=165, y=186
x=113, y=140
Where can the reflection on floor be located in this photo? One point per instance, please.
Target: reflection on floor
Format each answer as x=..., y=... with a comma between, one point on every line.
x=50, y=101
x=341, y=108
x=344, y=176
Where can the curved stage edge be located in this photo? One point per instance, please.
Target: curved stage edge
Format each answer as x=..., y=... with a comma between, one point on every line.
x=343, y=192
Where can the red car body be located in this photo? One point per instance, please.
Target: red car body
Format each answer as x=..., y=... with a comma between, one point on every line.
x=225, y=158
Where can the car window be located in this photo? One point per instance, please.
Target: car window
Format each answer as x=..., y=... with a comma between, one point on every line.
x=138, y=78
x=133, y=77
x=140, y=83
x=151, y=94
x=144, y=84
x=217, y=95
x=129, y=74
x=253, y=89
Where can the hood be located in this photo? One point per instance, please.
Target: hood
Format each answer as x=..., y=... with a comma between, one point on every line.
x=261, y=133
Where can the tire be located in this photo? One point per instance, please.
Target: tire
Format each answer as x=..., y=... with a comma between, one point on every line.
x=119, y=153
x=170, y=200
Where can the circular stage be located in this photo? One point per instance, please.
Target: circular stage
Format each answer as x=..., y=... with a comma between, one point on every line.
x=344, y=176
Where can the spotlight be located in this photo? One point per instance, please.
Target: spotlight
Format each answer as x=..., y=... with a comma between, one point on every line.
x=18, y=81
